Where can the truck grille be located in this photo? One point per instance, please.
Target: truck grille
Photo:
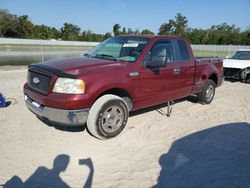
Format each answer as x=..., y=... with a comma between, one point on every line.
x=39, y=82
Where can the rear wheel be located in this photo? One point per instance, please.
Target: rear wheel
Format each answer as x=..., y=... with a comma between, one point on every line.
x=107, y=117
x=207, y=94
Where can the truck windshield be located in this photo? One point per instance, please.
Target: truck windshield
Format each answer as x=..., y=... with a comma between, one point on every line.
x=119, y=48
x=241, y=55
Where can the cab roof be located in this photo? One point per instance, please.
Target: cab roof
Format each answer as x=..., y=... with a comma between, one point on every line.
x=151, y=36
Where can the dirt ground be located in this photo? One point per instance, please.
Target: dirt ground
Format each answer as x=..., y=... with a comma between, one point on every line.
x=198, y=146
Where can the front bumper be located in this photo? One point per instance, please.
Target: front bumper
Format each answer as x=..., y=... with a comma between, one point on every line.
x=58, y=116
x=233, y=73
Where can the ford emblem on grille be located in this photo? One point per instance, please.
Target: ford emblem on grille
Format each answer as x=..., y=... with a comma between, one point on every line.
x=36, y=80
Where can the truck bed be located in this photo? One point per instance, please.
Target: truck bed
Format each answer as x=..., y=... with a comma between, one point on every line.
x=206, y=59
x=201, y=67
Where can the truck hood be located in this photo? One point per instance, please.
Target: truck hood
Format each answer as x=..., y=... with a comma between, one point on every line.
x=234, y=63
x=82, y=66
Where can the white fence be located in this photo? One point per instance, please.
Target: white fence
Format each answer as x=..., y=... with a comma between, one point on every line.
x=221, y=48
x=9, y=41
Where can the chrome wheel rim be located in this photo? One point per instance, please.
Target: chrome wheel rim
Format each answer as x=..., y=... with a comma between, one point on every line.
x=112, y=119
x=209, y=93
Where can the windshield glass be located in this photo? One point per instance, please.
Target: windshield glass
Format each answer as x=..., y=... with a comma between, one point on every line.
x=119, y=48
x=241, y=55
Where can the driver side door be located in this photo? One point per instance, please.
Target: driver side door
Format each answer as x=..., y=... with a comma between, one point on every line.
x=158, y=84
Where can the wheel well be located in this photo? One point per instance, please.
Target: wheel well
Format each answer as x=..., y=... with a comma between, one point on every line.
x=214, y=78
x=120, y=93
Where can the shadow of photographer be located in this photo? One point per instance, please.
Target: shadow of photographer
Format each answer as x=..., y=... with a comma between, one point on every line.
x=44, y=177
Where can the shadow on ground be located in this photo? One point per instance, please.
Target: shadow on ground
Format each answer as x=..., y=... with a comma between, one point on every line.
x=216, y=157
x=44, y=177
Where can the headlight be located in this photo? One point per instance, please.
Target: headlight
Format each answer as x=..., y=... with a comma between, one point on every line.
x=69, y=86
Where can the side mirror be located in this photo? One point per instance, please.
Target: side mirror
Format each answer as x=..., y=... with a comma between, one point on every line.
x=155, y=61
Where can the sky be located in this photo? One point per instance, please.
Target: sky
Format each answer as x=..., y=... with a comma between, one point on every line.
x=99, y=16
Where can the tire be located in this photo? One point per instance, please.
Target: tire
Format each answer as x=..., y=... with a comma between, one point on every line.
x=207, y=94
x=247, y=80
x=107, y=117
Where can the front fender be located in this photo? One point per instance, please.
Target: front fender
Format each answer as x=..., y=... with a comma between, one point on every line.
x=245, y=72
x=96, y=86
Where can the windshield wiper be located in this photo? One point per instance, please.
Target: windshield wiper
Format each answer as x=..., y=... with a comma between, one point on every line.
x=106, y=56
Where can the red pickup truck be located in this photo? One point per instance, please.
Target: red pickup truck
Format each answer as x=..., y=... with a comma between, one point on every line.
x=121, y=74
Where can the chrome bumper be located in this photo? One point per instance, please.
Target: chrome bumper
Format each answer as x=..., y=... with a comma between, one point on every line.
x=58, y=116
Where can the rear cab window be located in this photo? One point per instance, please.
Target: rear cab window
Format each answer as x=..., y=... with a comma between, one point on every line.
x=182, y=50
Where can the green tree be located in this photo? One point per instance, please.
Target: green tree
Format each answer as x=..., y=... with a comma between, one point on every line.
x=124, y=32
x=167, y=28
x=180, y=24
x=245, y=37
x=70, y=32
x=130, y=31
x=56, y=34
x=177, y=26
x=8, y=24
x=116, y=29
x=25, y=27
x=15, y=26
x=86, y=36
x=147, y=32
x=196, y=36
x=137, y=32
x=45, y=32
x=107, y=35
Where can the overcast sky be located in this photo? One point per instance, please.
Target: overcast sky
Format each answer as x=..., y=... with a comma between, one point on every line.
x=100, y=15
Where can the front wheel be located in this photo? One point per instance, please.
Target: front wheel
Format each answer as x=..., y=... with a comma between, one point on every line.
x=247, y=80
x=207, y=94
x=107, y=117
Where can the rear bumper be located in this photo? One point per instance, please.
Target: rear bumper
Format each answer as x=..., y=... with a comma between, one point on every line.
x=58, y=116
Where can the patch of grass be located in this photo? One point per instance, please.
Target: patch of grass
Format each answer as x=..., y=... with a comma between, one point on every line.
x=221, y=54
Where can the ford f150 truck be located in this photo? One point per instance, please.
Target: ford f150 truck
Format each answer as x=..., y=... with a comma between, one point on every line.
x=121, y=74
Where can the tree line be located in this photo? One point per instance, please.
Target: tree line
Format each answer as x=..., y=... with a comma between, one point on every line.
x=13, y=26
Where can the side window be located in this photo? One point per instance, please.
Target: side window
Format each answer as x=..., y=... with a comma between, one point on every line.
x=183, y=54
x=163, y=49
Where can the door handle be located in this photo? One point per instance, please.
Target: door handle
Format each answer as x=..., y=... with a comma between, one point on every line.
x=176, y=70
x=133, y=74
